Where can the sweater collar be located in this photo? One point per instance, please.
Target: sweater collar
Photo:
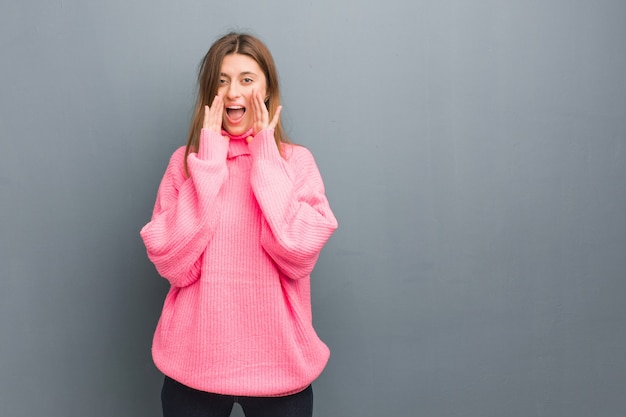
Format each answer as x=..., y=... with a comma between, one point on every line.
x=238, y=145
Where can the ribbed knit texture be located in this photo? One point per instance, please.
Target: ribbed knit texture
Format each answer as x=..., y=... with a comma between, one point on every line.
x=237, y=241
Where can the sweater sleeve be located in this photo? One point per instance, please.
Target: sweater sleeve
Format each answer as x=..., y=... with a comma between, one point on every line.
x=297, y=219
x=186, y=211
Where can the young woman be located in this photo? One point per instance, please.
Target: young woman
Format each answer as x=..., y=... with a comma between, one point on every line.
x=239, y=222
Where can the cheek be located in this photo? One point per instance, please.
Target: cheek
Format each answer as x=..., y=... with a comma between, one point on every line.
x=220, y=90
x=249, y=99
x=247, y=95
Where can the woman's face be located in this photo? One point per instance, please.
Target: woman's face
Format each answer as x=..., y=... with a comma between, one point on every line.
x=240, y=75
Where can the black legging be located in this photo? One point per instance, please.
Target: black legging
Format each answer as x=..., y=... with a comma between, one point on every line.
x=179, y=400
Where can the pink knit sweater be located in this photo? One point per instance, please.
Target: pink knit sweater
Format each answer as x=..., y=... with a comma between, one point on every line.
x=237, y=241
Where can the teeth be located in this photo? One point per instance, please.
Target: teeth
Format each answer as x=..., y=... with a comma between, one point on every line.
x=229, y=108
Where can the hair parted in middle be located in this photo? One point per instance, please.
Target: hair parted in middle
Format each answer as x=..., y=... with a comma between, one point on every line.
x=209, y=76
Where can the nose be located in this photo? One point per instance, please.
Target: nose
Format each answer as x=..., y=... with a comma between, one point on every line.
x=233, y=91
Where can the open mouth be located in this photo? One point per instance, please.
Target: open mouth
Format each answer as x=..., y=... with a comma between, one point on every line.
x=235, y=113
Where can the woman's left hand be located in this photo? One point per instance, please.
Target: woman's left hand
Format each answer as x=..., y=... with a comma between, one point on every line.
x=262, y=116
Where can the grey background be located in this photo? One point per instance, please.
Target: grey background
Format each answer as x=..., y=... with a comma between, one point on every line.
x=473, y=152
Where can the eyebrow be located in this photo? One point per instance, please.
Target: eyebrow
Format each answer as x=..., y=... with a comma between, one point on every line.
x=241, y=74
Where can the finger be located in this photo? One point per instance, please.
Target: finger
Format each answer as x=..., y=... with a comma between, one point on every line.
x=218, y=103
x=205, y=123
x=216, y=113
x=276, y=117
x=215, y=102
x=255, y=113
x=264, y=111
x=258, y=114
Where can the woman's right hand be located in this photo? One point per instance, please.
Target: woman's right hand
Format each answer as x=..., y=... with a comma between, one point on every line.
x=213, y=115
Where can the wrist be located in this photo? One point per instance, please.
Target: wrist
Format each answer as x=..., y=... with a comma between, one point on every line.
x=212, y=145
x=263, y=146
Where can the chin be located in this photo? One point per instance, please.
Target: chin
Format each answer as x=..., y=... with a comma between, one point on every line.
x=234, y=131
x=237, y=130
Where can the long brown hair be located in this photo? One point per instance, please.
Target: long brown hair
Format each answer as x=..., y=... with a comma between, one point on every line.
x=209, y=75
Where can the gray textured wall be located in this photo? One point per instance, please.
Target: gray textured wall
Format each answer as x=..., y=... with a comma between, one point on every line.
x=473, y=152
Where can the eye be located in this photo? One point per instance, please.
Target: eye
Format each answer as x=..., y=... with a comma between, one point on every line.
x=247, y=80
x=223, y=81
